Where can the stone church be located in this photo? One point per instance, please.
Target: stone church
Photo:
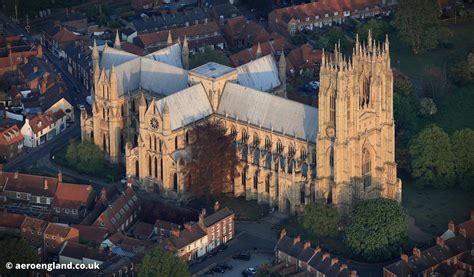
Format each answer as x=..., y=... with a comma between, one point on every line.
x=290, y=154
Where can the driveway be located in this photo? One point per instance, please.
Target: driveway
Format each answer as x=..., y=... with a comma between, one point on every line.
x=238, y=265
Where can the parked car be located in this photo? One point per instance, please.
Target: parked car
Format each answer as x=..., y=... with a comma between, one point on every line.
x=249, y=272
x=222, y=247
x=218, y=269
x=226, y=266
x=241, y=256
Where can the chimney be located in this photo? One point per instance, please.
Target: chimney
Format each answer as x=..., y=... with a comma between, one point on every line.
x=451, y=226
x=45, y=184
x=35, y=69
x=16, y=175
x=343, y=267
x=307, y=245
x=175, y=232
x=296, y=239
x=60, y=176
x=282, y=233
x=462, y=232
x=417, y=252
x=404, y=258
x=325, y=256
x=203, y=212
x=334, y=261
x=216, y=206
x=188, y=226
x=440, y=242
x=353, y=273
x=129, y=182
x=317, y=250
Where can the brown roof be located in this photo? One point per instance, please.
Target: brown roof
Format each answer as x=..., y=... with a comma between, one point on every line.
x=11, y=220
x=132, y=48
x=64, y=35
x=142, y=229
x=79, y=251
x=91, y=233
x=274, y=45
x=468, y=226
x=302, y=57
x=71, y=195
x=34, y=224
x=11, y=135
x=36, y=185
x=185, y=237
x=250, y=30
x=58, y=230
x=166, y=225
x=189, y=31
x=217, y=216
x=41, y=121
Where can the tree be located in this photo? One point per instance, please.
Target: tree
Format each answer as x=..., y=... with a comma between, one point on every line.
x=463, y=150
x=444, y=37
x=460, y=73
x=403, y=87
x=334, y=36
x=86, y=157
x=159, y=262
x=209, y=55
x=378, y=228
x=211, y=164
x=298, y=39
x=417, y=22
x=432, y=158
x=15, y=251
x=436, y=85
x=265, y=270
x=427, y=107
x=320, y=219
x=378, y=28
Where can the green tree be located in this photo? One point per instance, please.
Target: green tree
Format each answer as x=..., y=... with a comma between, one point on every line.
x=298, y=39
x=460, y=73
x=432, y=158
x=209, y=55
x=378, y=28
x=403, y=87
x=333, y=37
x=71, y=153
x=15, y=251
x=378, y=228
x=159, y=262
x=427, y=107
x=320, y=219
x=86, y=157
x=444, y=36
x=463, y=149
x=417, y=22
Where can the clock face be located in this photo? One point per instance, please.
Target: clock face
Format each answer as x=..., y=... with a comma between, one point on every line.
x=154, y=123
x=330, y=132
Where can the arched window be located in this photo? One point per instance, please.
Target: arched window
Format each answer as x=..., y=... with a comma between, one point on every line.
x=244, y=179
x=104, y=143
x=154, y=143
x=332, y=109
x=137, y=169
x=365, y=93
x=256, y=140
x=331, y=161
x=291, y=150
x=245, y=136
x=291, y=166
x=279, y=147
x=187, y=138
x=175, y=182
x=267, y=184
x=149, y=166
x=268, y=144
x=149, y=142
x=303, y=154
x=366, y=168
x=268, y=161
x=256, y=157
x=233, y=132
x=160, y=143
x=161, y=169
x=302, y=196
x=245, y=153
x=103, y=113
x=156, y=168
x=304, y=170
x=255, y=181
x=176, y=142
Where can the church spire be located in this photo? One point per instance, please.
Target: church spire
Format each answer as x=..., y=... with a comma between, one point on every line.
x=117, y=44
x=282, y=71
x=113, y=82
x=185, y=53
x=95, y=54
x=170, y=39
x=258, y=53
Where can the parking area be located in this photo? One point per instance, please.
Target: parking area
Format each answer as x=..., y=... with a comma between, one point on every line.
x=239, y=265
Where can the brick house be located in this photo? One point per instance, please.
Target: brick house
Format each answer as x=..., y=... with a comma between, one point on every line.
x=302, y=58
x=318, y=14
x=56, y=37
x=32, y=231
x=55, y=235
x=43, y=127
x=164, y=228
x=219, y=226
x=79, y=63
x=14, y=51
x=11, y=143
x=189, y=243
x=241, y=32
x=71, y=201
x=37, y=190
x=10, y=223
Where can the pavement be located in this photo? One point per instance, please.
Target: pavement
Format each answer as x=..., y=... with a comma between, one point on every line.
x=238, y=265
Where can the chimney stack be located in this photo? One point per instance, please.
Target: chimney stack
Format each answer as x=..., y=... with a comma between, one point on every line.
x=440, y=242
x=334, y=261
x=462, y=232
x=451, y=226
x=175, y=232
x=188, y=227
x=317, y=250
x=60, y=176
x=417, y=252
x=216, y=206
x=16, y=175
x=325, y=256
x=282, y=233
x=307, y=245
x=296, y=239
x=404, y=258
x=45, y=184
x=343, y=267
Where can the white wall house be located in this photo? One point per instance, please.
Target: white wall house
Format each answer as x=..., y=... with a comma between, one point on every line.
x=44, y=127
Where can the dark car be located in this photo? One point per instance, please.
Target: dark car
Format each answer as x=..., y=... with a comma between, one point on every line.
x=226, y=266
x=77, y=89
x=218, y=269
x=249, y=272
x=222, y=248
x=242, y=256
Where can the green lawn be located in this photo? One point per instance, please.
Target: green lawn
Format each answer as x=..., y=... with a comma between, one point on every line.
x=433, y=208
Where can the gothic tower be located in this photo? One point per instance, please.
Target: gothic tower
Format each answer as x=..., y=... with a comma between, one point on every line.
x=282, y=73
x=169, y=41
x=356, y=137
x=185, y=53
x=117, y=44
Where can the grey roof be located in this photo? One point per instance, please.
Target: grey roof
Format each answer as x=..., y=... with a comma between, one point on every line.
x=112, y=56
x=186, y=106
x=217, y=216
x=169, y=55
x=269, y=111
x=212, y=70
x=260, y=74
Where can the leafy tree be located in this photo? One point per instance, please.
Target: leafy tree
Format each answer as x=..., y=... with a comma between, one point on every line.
x=209, y=55
x=333, y=37
x=444, y=36
x=298, y=39
x=320, y=219
x=403, y=87
x=86, y=157
x=378, y=228
x=211, y=164
x=460, y=73
x=432, y=158
x=15, y=251
x=379, y=29
x=427, y=107
x=265, y=270
x=463, y=149
x=417, y=22
x=159, y=262
x=436, y=85
x=470, y=61
x=71, y=152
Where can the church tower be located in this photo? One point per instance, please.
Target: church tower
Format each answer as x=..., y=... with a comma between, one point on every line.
x=185, y=53
x=282, y=74
x=356, y=134
x=117, y=44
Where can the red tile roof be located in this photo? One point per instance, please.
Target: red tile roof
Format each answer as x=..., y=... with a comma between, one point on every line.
x=11, y=220
x=468, y=226
x=303, y=57
x=91, y=233
x=274, y=45
x=36, y=185
x=42, y=121
x=58, y=230
x=11, y=135
x=184, y=237
x=245, y=29
x=64, y=35
x=72, y=196
x=132, y=48
x=33, y=224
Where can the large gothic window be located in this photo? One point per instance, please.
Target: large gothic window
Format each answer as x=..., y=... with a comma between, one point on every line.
x=149, y=166
x=255, y=181
x=245, y=136
x=365, y=93
x=332, y=109
x=267, y=184
x=156, y=168
x=137, y=169
x=175, y=182
x=366, y=168
x=256, y=140
x=268, y=144
x=256, y=157
x=331, y=162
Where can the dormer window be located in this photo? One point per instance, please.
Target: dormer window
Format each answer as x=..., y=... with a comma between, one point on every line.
x=326, y=15
x=336, y=13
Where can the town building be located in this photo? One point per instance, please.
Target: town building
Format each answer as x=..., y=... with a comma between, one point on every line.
x=76, y=253
x=71, y=201
x=294, y=257
x=91, y=234
x=241, y=32
x=14, y=51
x=32, y=231
x=219, y=226
x=303, y=58
x=159, y=22
x=78, y=62
x=10, y=224
x=43, y=127
x=163, y=228
x=319, y=14
x=189, y=243
x=56, y=37
x=144, y=107
x=11, y=143
x=55, y=235
x=221, y=13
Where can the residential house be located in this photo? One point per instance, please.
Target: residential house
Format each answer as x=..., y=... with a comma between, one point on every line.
x=76, y=253
x=275, y=44
x=318, y=14
x=35, y=190
x=71, y=201
x=11, y=143
x=125, y=246
x=14, y=51
x=10, y=224
x=56, y=234
x=159, y=22
x=128, y=35
x=91, y=234
x=189, y=243
x=219, y=226
x=57, y=100
x=241, y=32
x=72, y=20
x=32, y=231
x=223, y=12
x=121, y=213
x=295, y=257
x=32, y=71
x=79, y=63
x=43, y=127
x=56, y=37
x=142, y=231
x=163, y=228
x=303, y=58
x=198, y=36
